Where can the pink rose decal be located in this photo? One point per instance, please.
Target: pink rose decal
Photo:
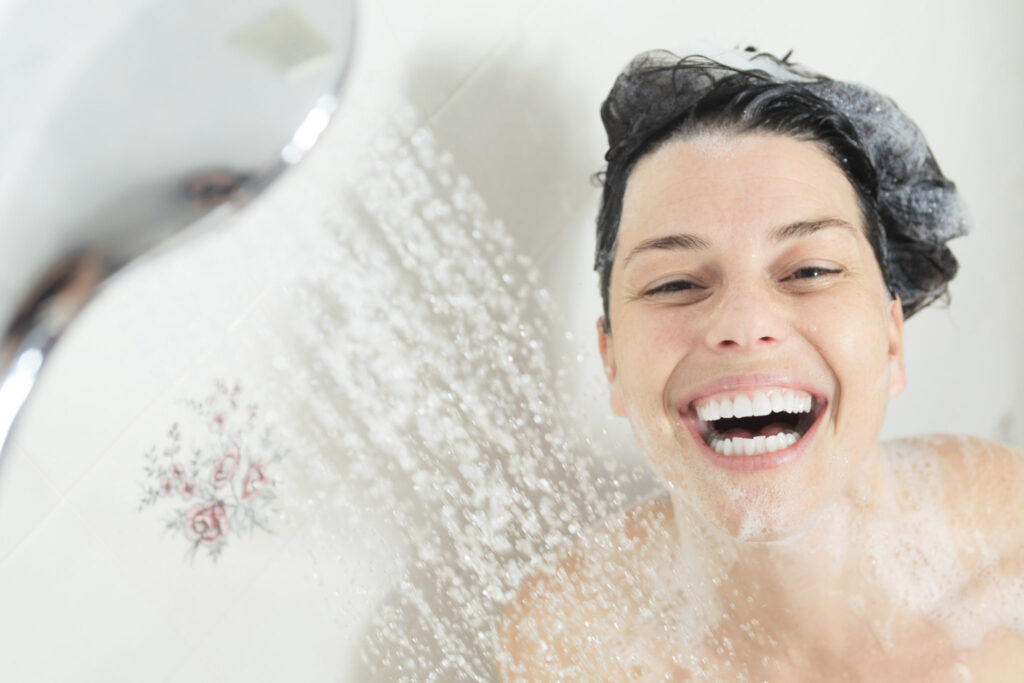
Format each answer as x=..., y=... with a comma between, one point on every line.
x=187, y=489
x=207, y=524
x=255, y=480
x=224, y=471
x=201, y=461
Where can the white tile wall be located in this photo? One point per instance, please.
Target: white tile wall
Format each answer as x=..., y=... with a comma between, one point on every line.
x=440, y=45
x=307, y=605
x=26, y=498
x=196, y=669
x=64, y=594
x=512, y=90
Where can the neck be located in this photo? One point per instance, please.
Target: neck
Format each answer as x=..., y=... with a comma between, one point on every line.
x=814, y=586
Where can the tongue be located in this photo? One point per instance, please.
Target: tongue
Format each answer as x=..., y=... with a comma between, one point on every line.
x=770, y=430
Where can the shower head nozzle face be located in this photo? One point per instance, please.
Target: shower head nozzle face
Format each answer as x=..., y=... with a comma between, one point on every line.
x=125, y=123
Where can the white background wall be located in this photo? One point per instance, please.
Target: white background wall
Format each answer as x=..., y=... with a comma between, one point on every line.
x=512, y=89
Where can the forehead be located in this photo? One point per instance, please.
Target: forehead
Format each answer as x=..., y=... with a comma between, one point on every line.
x=712, y=184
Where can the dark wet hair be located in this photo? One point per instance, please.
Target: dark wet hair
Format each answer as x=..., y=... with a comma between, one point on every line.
x=910, y=209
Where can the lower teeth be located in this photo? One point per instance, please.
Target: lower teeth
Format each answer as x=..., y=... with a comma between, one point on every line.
x=757, y=445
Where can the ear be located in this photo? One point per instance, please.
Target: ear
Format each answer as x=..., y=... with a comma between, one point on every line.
x=897, y=375
x=604, y=343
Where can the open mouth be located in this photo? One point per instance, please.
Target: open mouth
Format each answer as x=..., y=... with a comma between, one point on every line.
x=755, y=423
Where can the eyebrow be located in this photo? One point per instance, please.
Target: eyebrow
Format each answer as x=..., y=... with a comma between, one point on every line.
x=669, y=242
x=804, y=228
x=687, y=242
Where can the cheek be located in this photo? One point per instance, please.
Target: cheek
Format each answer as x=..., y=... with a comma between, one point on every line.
x=855, y=344
x=658, y=340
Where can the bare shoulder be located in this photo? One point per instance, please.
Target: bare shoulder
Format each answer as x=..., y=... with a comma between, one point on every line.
x=978, y=483
x=573, y=617
x=979, y=475
x=960, y=446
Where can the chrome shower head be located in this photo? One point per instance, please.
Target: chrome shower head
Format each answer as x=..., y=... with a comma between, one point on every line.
x=124, y=122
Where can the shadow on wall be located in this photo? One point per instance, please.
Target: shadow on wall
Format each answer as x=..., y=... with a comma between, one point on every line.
x=511, y=129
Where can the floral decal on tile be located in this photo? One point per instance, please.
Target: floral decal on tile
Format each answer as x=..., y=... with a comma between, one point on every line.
x=213, y=473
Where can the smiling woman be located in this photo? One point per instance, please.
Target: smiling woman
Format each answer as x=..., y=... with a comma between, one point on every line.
x=763, y=233
x=784, y=301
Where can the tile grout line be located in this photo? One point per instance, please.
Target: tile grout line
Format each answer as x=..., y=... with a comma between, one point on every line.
x=66, y=507
x=62, y=502
x=268, y=564
x=29, y=458
x=504, y=41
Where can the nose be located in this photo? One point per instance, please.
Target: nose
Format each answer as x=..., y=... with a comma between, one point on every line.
x=746, y=317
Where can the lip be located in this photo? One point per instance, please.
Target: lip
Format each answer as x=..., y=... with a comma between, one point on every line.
x=751, y=463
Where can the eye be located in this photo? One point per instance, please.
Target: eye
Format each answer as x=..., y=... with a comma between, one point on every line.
x=813, y=272
x=812, y=277
x=671, y=287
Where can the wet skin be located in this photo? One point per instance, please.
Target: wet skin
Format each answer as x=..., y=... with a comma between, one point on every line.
x=742, y=264
x=770, y=282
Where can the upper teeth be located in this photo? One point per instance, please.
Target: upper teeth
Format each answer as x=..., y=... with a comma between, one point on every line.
x=761, y=402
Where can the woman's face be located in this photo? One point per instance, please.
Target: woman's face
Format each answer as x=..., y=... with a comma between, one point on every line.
x=753, y=345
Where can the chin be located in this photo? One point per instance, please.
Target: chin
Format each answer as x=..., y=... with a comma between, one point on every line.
x=766, y=515
x=765, y=529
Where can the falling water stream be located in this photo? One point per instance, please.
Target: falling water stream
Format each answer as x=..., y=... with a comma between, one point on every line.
x=439, y=431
